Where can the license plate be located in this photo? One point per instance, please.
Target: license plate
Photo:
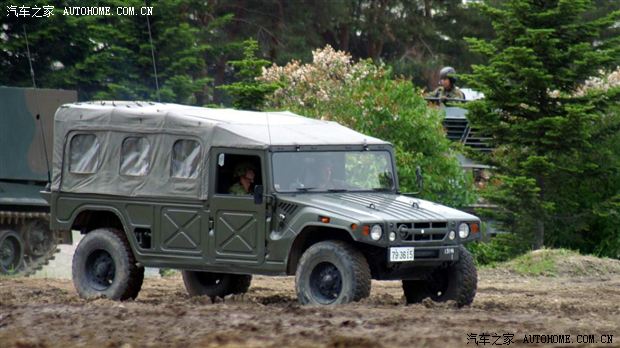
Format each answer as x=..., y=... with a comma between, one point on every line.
x=400, y=254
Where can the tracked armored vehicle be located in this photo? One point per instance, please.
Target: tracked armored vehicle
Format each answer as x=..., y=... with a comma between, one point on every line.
x=26, y=122
x=226, y=194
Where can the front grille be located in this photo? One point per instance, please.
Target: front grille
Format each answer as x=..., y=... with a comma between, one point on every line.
x=422, y=231
x=430, y=225
x=428, y=237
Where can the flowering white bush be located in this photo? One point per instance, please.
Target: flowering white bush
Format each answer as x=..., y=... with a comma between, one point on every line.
x=314, y=83
x=603, y=82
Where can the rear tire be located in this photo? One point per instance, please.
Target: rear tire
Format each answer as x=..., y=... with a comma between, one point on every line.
x=104, y=266
x=11, y=252
x=332, y=272
x=215, y=284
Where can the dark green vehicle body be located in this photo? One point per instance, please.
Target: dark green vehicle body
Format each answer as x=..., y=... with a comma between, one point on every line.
x=160, y=175
x=26, y=123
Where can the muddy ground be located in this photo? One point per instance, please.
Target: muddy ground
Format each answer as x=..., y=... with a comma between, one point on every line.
x=47, y=312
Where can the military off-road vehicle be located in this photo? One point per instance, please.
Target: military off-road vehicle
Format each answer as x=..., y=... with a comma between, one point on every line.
x=26, y=119
x=224, y=194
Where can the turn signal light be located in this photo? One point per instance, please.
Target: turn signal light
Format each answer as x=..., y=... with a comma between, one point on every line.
x=475, y=228
x=366, y=230
x=354, y=227
x=324, y=219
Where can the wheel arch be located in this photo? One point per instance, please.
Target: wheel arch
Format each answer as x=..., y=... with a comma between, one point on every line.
x=89, y=218
x=309, y=236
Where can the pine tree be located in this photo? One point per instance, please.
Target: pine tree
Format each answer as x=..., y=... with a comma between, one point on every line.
x=545, y=135
x=248, y=93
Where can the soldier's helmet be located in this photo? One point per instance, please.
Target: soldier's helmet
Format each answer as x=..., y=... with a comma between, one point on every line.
x=448, y=72
x=241, y=169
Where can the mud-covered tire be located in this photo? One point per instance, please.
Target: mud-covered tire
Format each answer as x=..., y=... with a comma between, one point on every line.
x=11, y=252
x=215, y=284
x=241, y=284
x=104, y=266
x=415, y=291
x=332, y=272
x=457, y=282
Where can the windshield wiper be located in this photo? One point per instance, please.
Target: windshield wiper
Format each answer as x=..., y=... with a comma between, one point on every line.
x=337, y=190
x=381, y=189
x=305, y=189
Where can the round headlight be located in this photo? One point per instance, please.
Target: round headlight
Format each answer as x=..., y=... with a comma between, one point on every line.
x=463, y=230
x=392, y=236
x=375, y=232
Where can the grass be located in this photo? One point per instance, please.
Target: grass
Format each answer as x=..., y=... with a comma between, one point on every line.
x=542, y=262
x=562, y=262
x=168, y=272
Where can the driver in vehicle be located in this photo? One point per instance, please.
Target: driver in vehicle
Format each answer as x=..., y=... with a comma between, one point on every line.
x=245, y=183
x=326, y=179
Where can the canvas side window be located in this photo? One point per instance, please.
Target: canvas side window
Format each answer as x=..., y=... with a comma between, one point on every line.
x=185, y=159
x=135, y=156
x=84, y=154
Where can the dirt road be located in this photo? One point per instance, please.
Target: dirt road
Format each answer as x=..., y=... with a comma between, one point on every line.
x=42, y=312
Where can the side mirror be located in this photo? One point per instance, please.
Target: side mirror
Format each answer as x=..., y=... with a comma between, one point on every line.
x=419, y=178
x=258, y=194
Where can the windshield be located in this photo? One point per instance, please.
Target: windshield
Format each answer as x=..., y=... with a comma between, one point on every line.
x=332, y=171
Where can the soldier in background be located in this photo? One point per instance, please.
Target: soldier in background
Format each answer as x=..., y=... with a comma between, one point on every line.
x=447, y=88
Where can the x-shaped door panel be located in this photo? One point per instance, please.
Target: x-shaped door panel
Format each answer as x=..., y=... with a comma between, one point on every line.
x=181, y=230
x=235, y=234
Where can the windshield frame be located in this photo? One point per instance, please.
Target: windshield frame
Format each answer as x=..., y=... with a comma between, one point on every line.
x=381, y=148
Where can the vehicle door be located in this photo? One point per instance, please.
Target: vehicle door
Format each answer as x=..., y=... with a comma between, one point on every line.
x=237, y=223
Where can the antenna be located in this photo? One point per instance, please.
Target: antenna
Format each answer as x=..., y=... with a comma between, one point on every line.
x=38, y=116
x=268, y=129
x=47, y=161
x=148, y=24
x=34, y=84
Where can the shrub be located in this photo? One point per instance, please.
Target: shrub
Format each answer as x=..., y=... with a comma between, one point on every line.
x=501, y=248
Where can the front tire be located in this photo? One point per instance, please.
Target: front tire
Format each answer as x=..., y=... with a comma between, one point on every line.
x=457, y=282
x=215, y=284
x=332, y=272
x=104, y=265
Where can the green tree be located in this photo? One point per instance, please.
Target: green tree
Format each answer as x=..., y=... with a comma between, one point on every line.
x=248, y=93
x=546, y=135
x=367, y=98
x=55, y=43
x=120, y=64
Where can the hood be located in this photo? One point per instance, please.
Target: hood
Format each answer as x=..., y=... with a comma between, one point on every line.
x=365, y=206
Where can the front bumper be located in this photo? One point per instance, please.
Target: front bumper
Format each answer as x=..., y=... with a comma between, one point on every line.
x=426, y=260
x=426, y=254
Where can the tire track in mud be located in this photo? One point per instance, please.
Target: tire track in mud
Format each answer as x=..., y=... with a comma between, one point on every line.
x=48, y=313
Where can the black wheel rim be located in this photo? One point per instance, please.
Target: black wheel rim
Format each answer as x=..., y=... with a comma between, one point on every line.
x=100, y=270
x=9, y=253
x=325, y=282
